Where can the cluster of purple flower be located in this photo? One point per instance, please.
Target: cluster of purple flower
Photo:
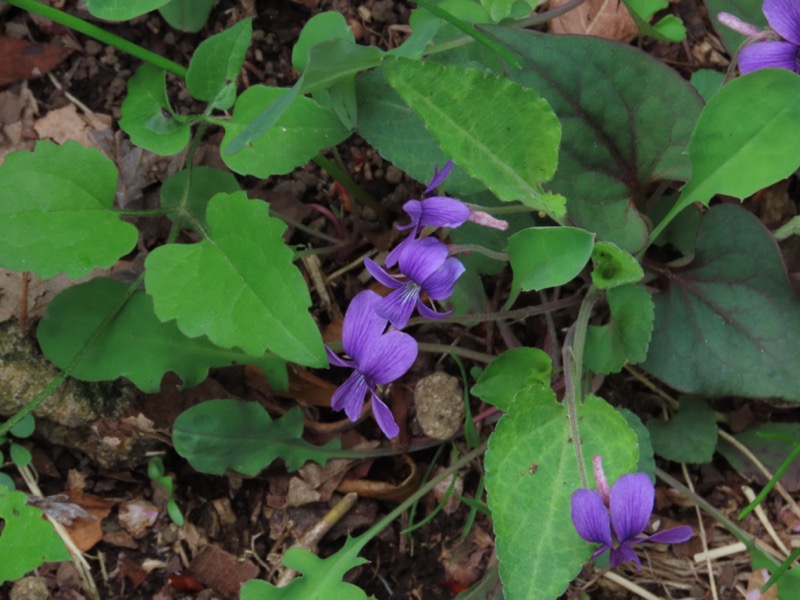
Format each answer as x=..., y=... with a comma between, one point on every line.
x=377, y=356
x=627, y=507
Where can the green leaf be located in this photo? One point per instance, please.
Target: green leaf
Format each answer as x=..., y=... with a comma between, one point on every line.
x=325, y=26
x=27, y=539
x=613, y=266
x=216, y=64
x=302, y=131
x=220, y=435
x=771, y=443
x=690, y=436
x=147, y=116
x=204, y=184
x=747, y=10
x=486, y=124
x=238, y=286
x=400, y=136
x=760, y=115
x=623, y=129
x=122, y=10
x=187, y=15
x=707, y=82
x=321, y=579
x=20, y=455
x=726, y=324
x=531, y=473
x=669, y=28
x=545, y=257
x=647, y=462
x=137, y=345
x=175, y=513
x=512, y=371
x=626, y=337
x=56, y=211
x=25, y=427
x=6, y=481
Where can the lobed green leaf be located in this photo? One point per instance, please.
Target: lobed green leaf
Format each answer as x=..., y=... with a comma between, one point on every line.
x=690, y=436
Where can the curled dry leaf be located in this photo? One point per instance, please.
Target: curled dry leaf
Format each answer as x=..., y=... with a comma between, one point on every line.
x=383, y=490
x=602, y=18
x=21, y=59
x=66, y=123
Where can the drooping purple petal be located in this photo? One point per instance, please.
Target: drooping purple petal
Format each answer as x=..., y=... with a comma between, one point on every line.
x=784, y=17
x=421, y=258
x=590, y=518
x=624, y=554
x=389, y=357
x=380, y=274
x=399, y=304
x=676, y=535
x=438, y=176
x=334, y=359
x=429, y=313
x=384, y=418
x=762, y=55
x=350, y=396
x=394, y=256
x=361, y=324
x=437, y=211
x=631, y=505
x=442, y=282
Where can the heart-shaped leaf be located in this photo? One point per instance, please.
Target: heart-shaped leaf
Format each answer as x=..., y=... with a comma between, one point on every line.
x=510, y=372
x=239, y=286
x=56, y=211
x=220, y=435
x=727, y=323
x=690, y=436
x=485, y=123
x=147, y=116
x=545, y=257
x=626, y=337
x=216, y=63
x=188, y=15
x=531, y=463
x=300, y=133
x=623, y=129
x=137, y=346
x=122, y=10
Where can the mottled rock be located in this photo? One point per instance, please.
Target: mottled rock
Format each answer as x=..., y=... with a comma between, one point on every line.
x=440, y=405
x=30, y=588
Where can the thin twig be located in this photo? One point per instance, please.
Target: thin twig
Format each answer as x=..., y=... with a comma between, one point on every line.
x=711, y=580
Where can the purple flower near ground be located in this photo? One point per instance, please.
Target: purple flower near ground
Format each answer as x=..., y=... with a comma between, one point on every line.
x=631, y=504
x=438, y=211
x=426, y=268
x=784, y=18
x=377, y=358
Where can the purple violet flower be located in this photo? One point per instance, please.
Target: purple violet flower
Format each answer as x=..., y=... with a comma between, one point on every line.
x=426, y=268
x=377, y=358
x=783, y=17
x=438, y=211
x=631, y=504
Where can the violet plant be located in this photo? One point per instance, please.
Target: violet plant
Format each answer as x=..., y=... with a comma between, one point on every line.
x=606, y=165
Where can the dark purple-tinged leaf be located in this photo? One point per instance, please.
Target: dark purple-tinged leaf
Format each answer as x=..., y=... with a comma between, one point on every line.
x=727, y=323
x=623, y=128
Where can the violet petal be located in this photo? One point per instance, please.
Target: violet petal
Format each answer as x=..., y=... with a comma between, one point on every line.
x=429, y=313
x=422, y=258
x=350, y=396
x=762, y=55
x=590, y=518
x=394, y=256
x=334, y=359
x=631, y=505
x=399, y=304
x=439, y=176
x=437, y=211
x=361, y=324
x=389, y=357
x=380, y=274
x=784, y=17
x=384, y=418
x=441, y=284
x=624, y=554
x=675, y=535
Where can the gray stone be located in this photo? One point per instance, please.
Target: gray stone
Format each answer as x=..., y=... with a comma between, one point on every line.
x=440, y=405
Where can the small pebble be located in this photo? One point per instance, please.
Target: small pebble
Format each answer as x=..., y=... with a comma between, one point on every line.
x=393, y=175
x=30, y=588
x=440, y=405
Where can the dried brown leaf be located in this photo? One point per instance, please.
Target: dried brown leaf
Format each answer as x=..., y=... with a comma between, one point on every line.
x=602, y=18
x=21, y=59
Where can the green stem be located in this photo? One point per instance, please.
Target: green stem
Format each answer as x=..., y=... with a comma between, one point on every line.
x=458, y=248
x=100, y=34
x=59, y=379
x=572, y=355
x=150, y=212
x=787, y=229
x=356, y=191
x=444, y=349
x=364, y=538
